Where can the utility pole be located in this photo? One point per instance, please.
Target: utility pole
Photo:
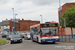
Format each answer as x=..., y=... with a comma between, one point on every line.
x=13, y=20
x=60, y=19
x=2, y=27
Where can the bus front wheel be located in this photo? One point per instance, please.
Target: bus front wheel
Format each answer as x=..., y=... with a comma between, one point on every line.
x=53, y=42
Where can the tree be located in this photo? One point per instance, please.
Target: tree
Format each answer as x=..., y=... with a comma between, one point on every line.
x=69, y=16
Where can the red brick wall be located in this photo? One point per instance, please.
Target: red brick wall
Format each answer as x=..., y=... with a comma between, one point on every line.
x=64, y=8
x=16, y=25
x=25, y=25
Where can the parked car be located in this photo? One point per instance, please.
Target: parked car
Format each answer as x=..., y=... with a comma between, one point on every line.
x=14, y=38
x=21, y=34
x=27, y=36
x=5, y=35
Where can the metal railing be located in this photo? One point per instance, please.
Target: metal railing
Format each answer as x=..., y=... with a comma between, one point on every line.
x=68, y=38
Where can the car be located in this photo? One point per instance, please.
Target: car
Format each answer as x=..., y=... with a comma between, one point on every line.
x=21, y=34
x=27, y=36
x=14, y=38
x=5, y=35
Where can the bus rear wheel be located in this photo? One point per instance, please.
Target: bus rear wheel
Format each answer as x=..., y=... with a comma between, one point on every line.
x=33, y=40
x=37, y=40
x=53, y=42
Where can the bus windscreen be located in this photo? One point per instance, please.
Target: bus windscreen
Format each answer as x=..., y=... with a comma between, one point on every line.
x=49, y=31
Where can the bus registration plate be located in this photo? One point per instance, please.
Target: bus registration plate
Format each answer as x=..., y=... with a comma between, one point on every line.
x=49, y=41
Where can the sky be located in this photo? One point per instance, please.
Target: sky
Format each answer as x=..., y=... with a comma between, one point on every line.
x=31, y=9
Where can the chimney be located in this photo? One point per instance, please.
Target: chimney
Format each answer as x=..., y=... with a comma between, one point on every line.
x=22, y=19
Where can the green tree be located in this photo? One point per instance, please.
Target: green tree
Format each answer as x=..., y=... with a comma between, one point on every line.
x=69, y=16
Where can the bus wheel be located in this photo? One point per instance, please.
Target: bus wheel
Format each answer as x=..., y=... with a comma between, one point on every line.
x=53, y=42
x=33, y=40
x=37, y=40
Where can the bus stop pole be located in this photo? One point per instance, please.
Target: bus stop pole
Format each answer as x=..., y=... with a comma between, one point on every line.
x=3, y=27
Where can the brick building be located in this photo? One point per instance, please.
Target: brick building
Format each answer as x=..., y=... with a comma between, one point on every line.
x=63, y=9
x=25, y=24
x=20, y=25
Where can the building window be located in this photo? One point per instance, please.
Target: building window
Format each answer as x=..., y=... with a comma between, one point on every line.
x=6, y=27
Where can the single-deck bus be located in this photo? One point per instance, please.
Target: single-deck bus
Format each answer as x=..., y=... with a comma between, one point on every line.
x=45, y=32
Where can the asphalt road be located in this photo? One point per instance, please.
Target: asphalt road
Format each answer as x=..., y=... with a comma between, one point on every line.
x=29, y=45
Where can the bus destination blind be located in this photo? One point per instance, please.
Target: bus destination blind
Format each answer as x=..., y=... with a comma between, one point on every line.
x=49, y=25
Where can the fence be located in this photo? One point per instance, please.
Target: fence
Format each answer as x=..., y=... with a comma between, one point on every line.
x=68, y=38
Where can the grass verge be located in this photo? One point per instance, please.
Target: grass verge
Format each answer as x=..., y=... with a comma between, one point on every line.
x=2, y=42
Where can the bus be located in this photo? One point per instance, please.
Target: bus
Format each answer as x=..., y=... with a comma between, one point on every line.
x=45, y=32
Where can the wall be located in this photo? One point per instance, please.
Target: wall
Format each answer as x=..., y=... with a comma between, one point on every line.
x=64, y=8
x=8, y=27
x=25, y=24
x=68, y=31
x=17, y=25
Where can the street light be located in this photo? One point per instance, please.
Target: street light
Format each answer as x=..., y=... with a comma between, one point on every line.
x=60, y=18
x=13, y=19
x=41, y=19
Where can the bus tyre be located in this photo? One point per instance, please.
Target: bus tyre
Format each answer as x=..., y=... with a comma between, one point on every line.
x=53, y=42
x=37, y=40
x=33, y=40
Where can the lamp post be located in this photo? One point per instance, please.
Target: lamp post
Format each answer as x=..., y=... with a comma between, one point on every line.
x=60, y=19
x=41, y=19
x=13, y=20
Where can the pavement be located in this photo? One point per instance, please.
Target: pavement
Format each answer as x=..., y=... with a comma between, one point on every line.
x=29, y=45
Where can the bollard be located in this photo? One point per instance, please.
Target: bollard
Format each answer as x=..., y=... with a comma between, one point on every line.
x=69, y=38
x=74, y=36
x=65, y=38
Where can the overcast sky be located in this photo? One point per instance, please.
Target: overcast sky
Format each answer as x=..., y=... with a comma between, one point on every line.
x=31, y=9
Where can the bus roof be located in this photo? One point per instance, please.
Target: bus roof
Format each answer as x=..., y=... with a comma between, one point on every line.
x=40, y=24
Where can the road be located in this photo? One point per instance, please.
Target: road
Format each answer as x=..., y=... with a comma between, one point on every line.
x=29, y=45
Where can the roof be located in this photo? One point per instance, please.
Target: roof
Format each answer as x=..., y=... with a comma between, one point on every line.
x=17, y=20
x=6, y=22
x=41, y=23
x=67, y=3
x=35, y=25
